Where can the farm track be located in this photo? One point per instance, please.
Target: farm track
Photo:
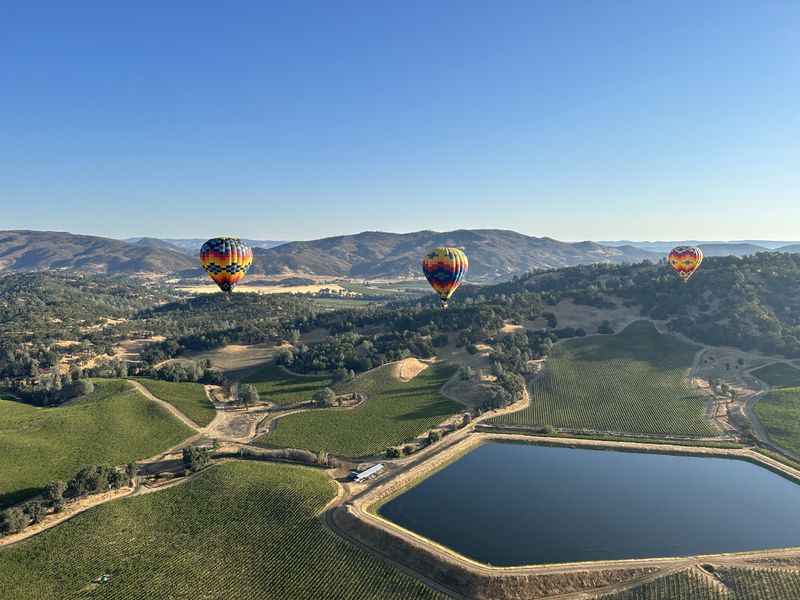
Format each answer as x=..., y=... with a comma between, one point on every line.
x=165, y=405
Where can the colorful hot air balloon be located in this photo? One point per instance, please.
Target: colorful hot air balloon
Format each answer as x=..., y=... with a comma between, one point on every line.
x=685, y=260
x=445, y=269
x=226, y=261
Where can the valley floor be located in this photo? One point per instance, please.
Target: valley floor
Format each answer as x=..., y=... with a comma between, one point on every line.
x=282, y=531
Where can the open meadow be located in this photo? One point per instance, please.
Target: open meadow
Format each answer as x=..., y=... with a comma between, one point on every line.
x=189, y=398
x=276, y=384
x=778, y=375
x=396, y=411
x=632, y=382
x=115, y=424
x=239, y=531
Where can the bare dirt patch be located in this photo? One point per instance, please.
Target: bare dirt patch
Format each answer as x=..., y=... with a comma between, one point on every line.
x=66, y=343
x=405, y=370
x=509, y=328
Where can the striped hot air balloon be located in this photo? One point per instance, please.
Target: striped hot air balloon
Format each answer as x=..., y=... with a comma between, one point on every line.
x=226, y=260
x=685, y=260
x=445, y=269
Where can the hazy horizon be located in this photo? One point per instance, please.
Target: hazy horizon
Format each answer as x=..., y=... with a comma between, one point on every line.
x=771, y=241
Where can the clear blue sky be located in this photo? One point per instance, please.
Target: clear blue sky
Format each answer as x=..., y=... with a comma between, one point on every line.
x=294, y=120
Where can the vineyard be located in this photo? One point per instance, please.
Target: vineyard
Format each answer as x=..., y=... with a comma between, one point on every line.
x=633, y=382
x=115, y=424
x=189, y=398
x=779, y=413
x=779, y=375
x=395, y=412
x=239, y=531
x=720, y=583
x=761, y=584
x=684, y=585
x=276, y=384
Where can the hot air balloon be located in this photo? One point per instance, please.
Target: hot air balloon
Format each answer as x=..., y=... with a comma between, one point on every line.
x=226, y=260
x=445, y=269
x=685, y=260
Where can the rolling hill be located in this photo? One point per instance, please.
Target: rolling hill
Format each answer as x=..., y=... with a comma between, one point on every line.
x=22, y=250
x=191, y=246
x=493, y=254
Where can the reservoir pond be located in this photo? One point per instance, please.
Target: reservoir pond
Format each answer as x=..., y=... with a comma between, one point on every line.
x=519, y=504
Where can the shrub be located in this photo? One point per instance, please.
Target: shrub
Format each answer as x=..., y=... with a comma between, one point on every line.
x=195, y=458
x=605, y=328
x=54, y=492
x=36, y=511
x=324, y=397
x=13, y=520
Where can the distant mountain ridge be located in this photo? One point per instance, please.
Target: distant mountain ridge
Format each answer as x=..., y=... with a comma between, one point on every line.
x=493, y=253
x=192, y=245
x=715, y=248
x=25, y=250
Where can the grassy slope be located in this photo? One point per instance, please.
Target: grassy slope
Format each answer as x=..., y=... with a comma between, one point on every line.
x=115, y=424
x=632, y=382
x=395, y=412
x=189, y=398
x=779, y=375
x=779, y=413
x=240, y=531
x=281, y=387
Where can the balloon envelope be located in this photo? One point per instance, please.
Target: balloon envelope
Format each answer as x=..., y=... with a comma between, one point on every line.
x=445, y=269
x=685, y=260
x=226, y=260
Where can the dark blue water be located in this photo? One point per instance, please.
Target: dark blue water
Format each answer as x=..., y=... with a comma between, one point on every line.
x=517, y=504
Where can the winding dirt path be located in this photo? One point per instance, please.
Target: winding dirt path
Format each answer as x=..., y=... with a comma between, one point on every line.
x=165, y=405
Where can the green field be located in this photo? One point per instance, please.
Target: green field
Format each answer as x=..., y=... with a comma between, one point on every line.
x=276, y=384
x=115, y=424
x=779, y=375
x=189, y=398
x=633, y=382
x=239, y=531
x=395, y=412
x=779, y=413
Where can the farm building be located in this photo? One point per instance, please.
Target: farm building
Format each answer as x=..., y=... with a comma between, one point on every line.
x=374, y=470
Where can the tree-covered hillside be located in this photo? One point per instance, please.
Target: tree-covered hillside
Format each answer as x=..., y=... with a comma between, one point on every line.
x=752, y=303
